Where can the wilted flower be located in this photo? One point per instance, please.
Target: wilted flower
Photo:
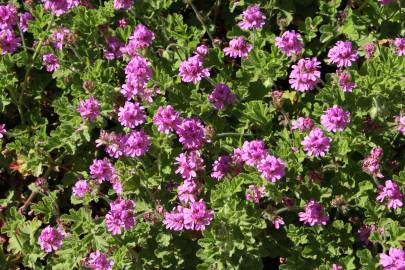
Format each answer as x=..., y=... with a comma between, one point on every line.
x=369, y=49
x=302, y=124
x=113, y=48
x=255, y=193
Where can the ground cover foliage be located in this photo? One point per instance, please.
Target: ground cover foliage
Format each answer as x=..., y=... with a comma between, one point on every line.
x=180, y=134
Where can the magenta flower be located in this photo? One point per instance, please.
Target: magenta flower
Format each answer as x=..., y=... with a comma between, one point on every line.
x=138, y=70
x=122, y=23
x=395, y=260
x=197, y=217
x=221, y=167
x=316, y=143
x=201, y=50
x=253, y=18
x=371, y=164
x=344, y=81
x=9, y=41
x=89, y=109
x=253, y=152
x=337, y=267
x=302, y=124
x=174, y=220
x=81, y=188
x=392, y=192
x=23, y=21
x=342, y=54
x=59, y=37
x=221, y=95
x=335, y=119
x=51, y=239
x=305, y=75
x=98, y=261
x=188, y=191
x=278, y=222
x=59, y=7
x=101, y=169
x=121, y=216
x=113, y=48
x=123, y=4
x=131, y=115
x=290, y=43
x=114, y=143
x=2, y=130
x=166, y=119
x=400, y=120
x=189, y=164
x=399, y=46
x=192, y=70
x=238, y=47
x=314, y=214
x=191, y=133
x=136, y=143
x=369, y=50
x=8, y=17
x=271, y=168
x=385, y=2
x=51, y=62
x=116, y=184
x=142, y=37
x=255, y=193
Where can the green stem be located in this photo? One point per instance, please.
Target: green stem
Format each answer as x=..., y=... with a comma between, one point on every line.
x=201, y=20
x=232, y=134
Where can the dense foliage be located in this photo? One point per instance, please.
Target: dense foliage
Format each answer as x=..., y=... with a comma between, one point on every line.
x=180, y=134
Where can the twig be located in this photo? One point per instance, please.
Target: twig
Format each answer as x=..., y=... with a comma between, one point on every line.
x=201, y=20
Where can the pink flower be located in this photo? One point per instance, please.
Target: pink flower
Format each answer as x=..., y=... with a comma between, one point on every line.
x=314, y=214
x=337, y=267
x=131, y=115
x=116, y=184
x=238, y=47
x=278, y=222
x=8, y=17
x=123, y=4
x=255, y=193
x=392, y=192
x=385, y=2
x=166, y=119
x=290, y=43
x=335, y=119
x=271, y=168
x=59, y=7
x=371, y=164
x=395, y=260
x=81, y=188
x=220, y=96
x=142, y=37
x=399, y=46
x=101, y=169
x=201, y=50
x=253, y=152
x=121, y=216
x=192, y=70
x=400, y=120
x=113, y=48
x=302, y=124
x=174, y=220
x=189, y=164
x=316, y=143
x=342, y=54
x=89, y=109
x=51, y=239
x=59, y=37
x=369, y=50
x=222, y=166
x=138, y=70
x=344, y=81
x=136, y=143
x=98, y=261
x=197, y=217
x=9, y=41
x=253, y=18
x=23, y=21
x=114, y=143
x=51, y=62
x=191, y=133
x=305, y=75
x=188, y=191
x=2, y=130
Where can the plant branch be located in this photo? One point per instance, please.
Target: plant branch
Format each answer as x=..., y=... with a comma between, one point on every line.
x=201, y=20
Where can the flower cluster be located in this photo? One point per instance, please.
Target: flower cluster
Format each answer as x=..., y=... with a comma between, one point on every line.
x=290, y=43
x=166, y=119
x=2, y=130
x=238, y=47
x=342, y=54
x=191, y=133
x=98, y=261
x=131, y=115
x=113, y=48
x=121, y=216
x=255, y=193
x=189, y=164
x=50, y=239
x=123, y=4
x=221, y=95
x=9, y=40
x=51, y=62
x=395, y=260
x=89, y=109
x=392, y=193
x=316, y=143
x=400, y=124
x=335, y=119
x=400, y=46
x=253, y=18
x=371, y=164
x=137, y=74
x=302, y=124
x=305, y=75
x=313, y=214
x=81, y=188
x=344, y=81
x=193, y=70
x=59, y=7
